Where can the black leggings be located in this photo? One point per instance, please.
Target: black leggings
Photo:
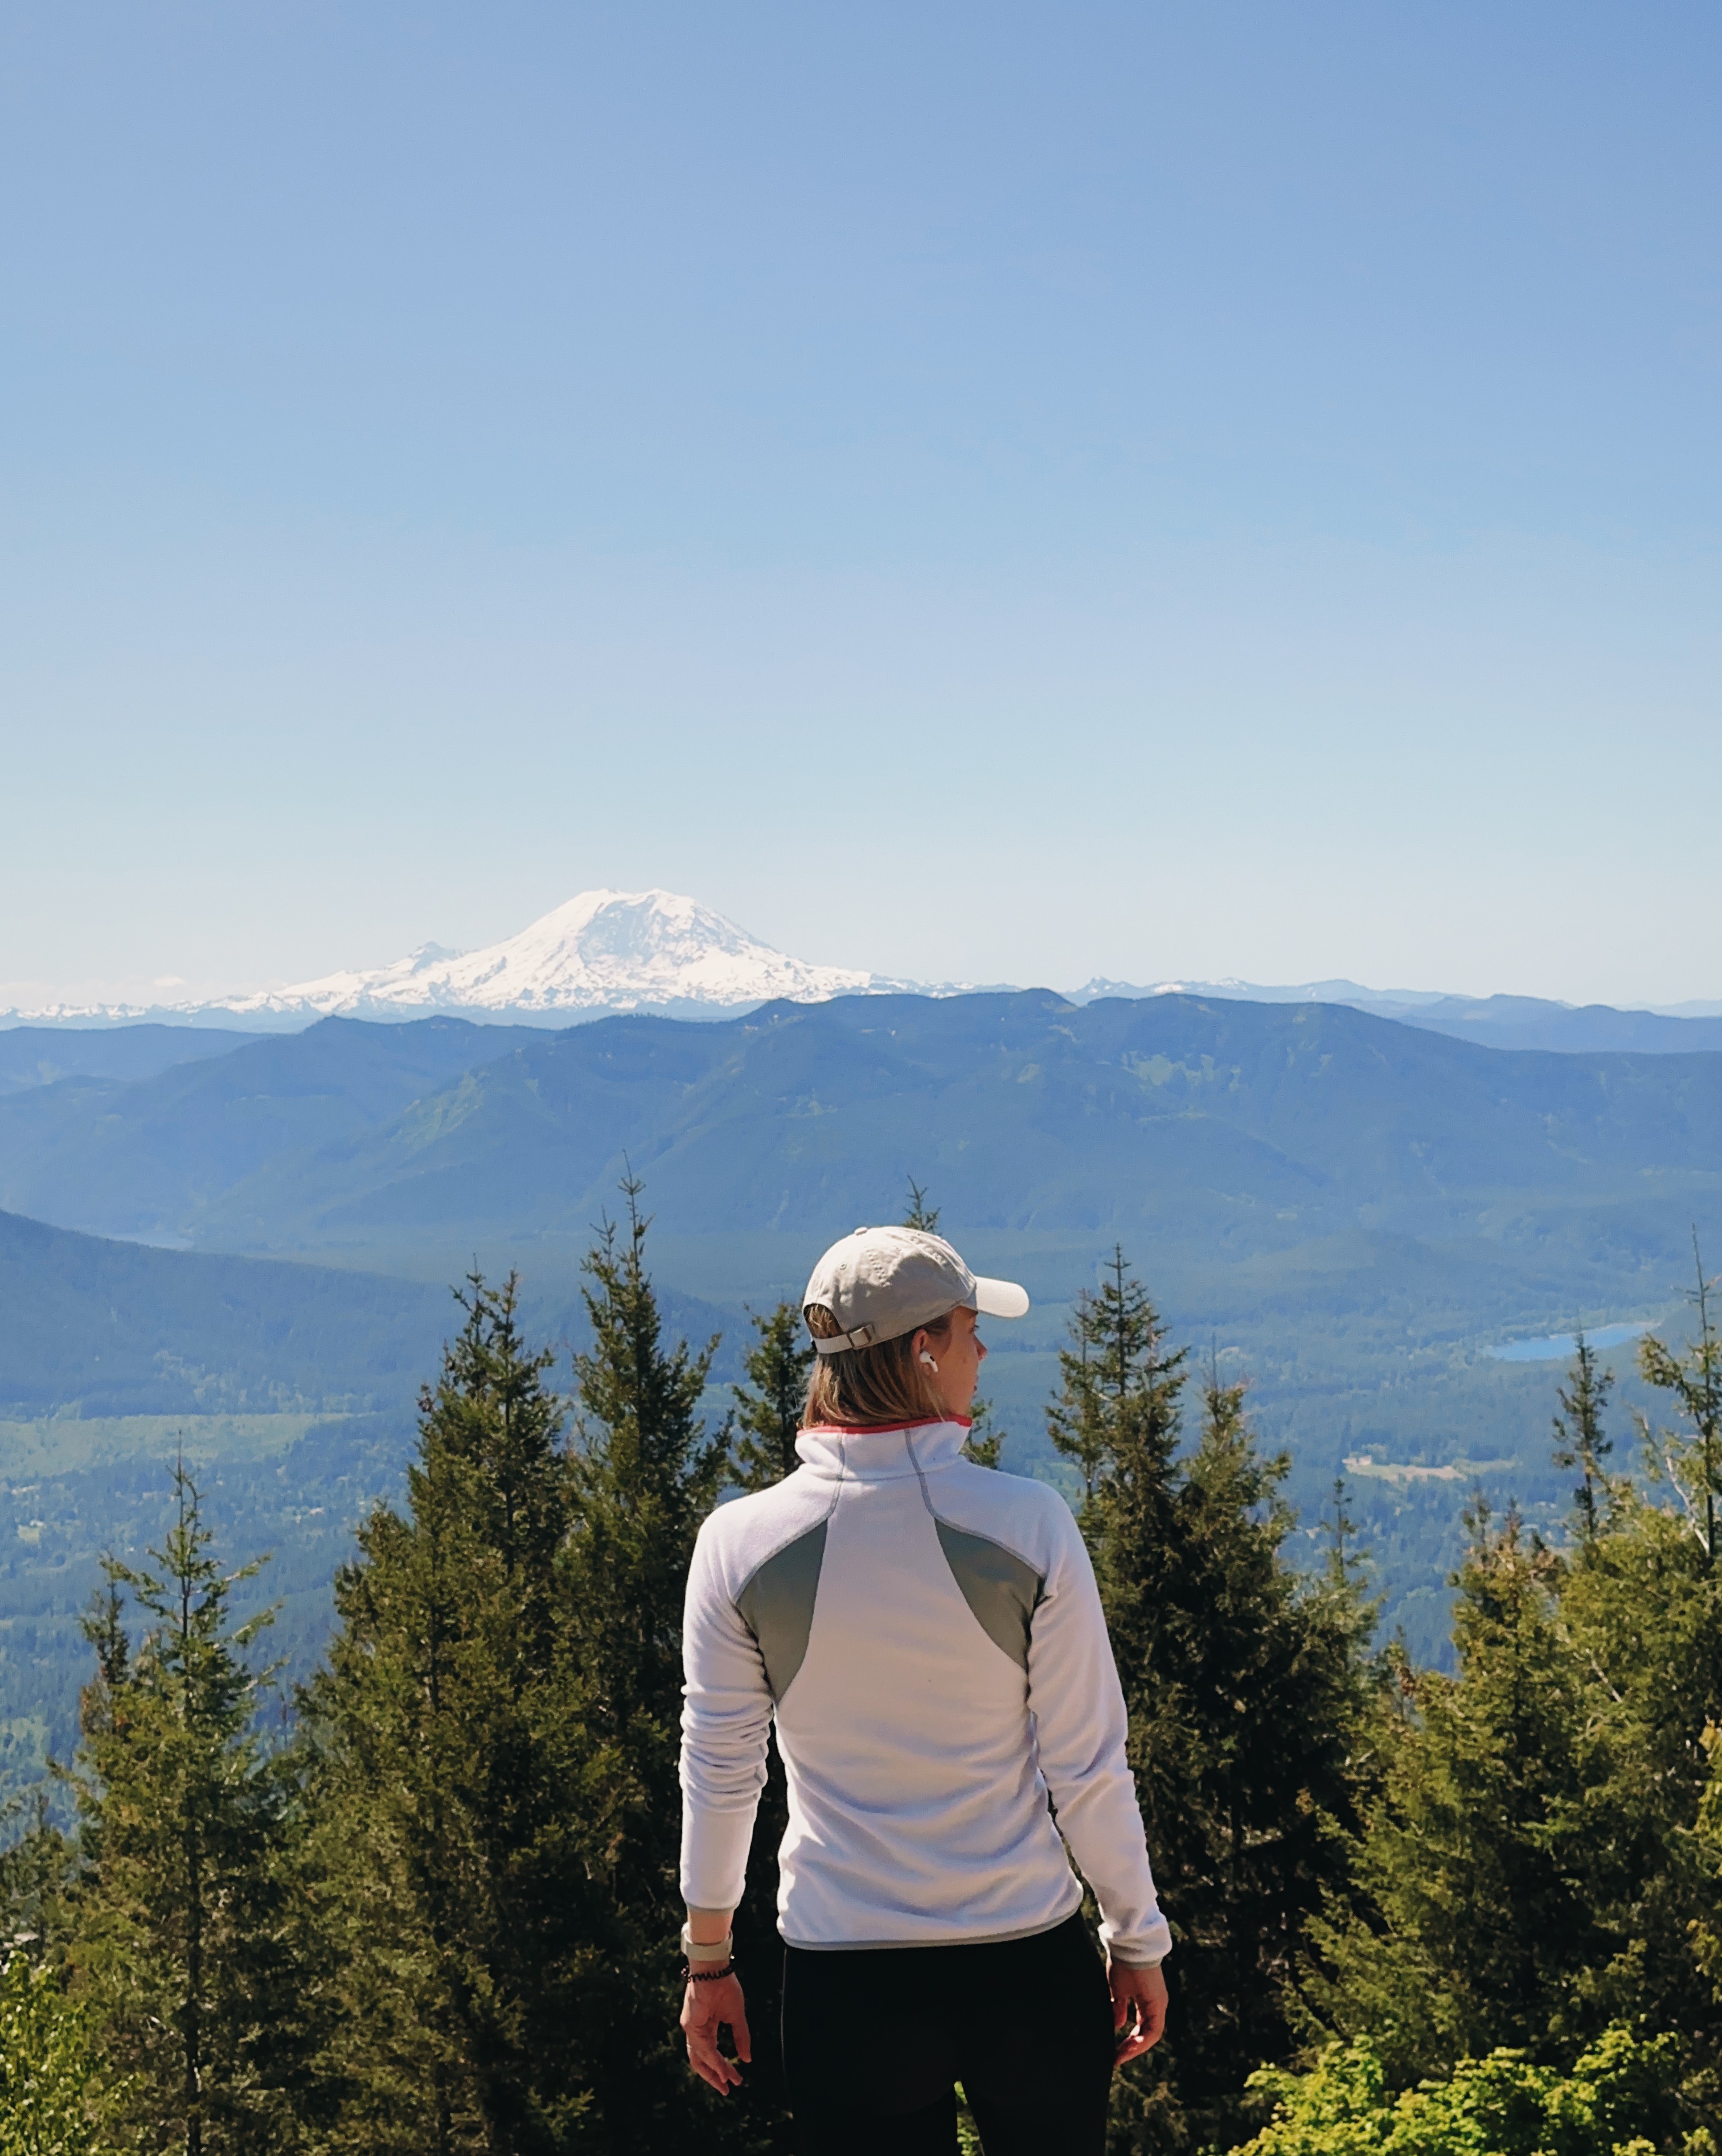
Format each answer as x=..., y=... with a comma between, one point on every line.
x=874, y=2038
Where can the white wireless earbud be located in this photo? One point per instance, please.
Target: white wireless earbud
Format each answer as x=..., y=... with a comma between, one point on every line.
x=928, y=1360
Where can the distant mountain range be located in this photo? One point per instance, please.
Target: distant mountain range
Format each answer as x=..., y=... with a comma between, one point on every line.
x=602, y=953
x=1344, y=1199
x=1184, y=1122
x=1491, y=1021
x=609, y=951
x=1348, y=1212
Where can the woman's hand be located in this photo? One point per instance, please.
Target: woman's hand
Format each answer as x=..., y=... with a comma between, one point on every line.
x=1138, y=2009
x=717, y=2004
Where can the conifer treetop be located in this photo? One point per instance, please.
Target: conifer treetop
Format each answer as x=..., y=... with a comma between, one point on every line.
x=1690, y=1458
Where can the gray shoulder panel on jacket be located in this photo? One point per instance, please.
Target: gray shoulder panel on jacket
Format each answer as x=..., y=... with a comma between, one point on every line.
x=777, y=1606
x=1002, y=1588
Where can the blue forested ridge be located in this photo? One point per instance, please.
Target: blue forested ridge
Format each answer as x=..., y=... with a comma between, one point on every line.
x=1266, y=1122
x=1534, y=1022
x=38, y=1054
x=1346, y=1210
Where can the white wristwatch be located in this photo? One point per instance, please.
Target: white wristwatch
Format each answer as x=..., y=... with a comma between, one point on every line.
x=707, y=1950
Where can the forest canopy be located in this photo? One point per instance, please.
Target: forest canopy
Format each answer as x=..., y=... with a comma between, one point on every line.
x=428, y=1901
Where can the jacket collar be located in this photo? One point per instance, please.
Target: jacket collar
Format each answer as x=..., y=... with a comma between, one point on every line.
x=882, y=1455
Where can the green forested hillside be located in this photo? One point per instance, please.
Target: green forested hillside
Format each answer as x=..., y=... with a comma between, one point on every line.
x=290, y=1387
x=147, y=1157
x=1349, y=1212
x=95, y=1329
x=1242, y=1128
x=38, y=1055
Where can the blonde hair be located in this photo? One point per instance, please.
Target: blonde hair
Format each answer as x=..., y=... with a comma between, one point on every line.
x=864, y=1386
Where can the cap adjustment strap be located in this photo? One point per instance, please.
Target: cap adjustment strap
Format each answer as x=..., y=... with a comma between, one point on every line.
x=835, y=1343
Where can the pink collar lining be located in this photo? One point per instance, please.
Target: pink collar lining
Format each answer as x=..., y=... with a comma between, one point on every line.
x=882, y=1429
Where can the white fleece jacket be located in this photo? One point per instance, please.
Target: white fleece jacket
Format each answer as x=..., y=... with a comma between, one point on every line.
x=929, y=1635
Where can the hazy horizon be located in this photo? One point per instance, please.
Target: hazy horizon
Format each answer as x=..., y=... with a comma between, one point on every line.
x=21, y=1001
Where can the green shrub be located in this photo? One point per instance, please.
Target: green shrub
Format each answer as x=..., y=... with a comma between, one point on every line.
x=48, y=2102
x=1619, y=2099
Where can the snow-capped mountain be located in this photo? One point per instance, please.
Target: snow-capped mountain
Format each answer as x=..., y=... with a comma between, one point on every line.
x=603, y=951
x=656, y=951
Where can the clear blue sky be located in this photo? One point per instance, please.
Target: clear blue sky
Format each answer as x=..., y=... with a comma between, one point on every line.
x=1002, y=492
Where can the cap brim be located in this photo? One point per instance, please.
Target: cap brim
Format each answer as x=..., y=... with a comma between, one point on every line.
x=997, y=1298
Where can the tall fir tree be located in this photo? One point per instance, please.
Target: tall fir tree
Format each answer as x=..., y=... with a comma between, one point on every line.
x=984, y=1445
x=1541, y=1861
x=767, y=1416
x=458, y=1804
x=1691, y=1457
x=647, y=1470
x=35, y=1866
x=1479, y=1928
x=173, y=1926
x=1249, y=1701
x=1116, y=1414
x=769, y=1404
x=921, y=1214
x=1580, y=1441
x=1641, y=1611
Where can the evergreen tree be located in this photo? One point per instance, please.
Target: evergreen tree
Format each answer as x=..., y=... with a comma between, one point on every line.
x=458, y=1804
x=35, y=1867
x=1541, y=1863
x=1580, y=1441
x=1707, y=1929
x=174, y=1921
x=647, y=1471
x=768, y=1407
x=1641, y=1614
x=1116, y=1413
x=1248, y=1696
x=1691, y=1458
x=768, y=1413
x=1483, y=1933
x=984, y=1445
x=921, y=1214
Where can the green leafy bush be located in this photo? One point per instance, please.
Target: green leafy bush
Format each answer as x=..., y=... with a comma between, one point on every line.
x=1618, y=2099
x=48, y=2105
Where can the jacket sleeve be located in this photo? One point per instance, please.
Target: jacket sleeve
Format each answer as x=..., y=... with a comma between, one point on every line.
x=1080, y=1727
x=726, y=1718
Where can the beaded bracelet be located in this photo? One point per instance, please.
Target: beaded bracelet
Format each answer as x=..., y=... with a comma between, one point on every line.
x=706, y=1975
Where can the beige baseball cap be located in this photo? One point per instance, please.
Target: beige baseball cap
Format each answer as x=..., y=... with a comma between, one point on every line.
x=880, y=1283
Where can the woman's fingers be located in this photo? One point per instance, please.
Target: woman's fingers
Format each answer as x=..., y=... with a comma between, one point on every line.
x=1138, y=2005
x=702, y=2019
x=710, y=2063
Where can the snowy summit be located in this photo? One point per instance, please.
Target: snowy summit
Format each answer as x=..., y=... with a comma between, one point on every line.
x=603, y=951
